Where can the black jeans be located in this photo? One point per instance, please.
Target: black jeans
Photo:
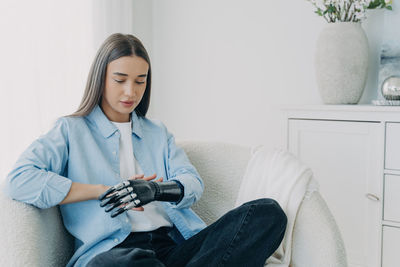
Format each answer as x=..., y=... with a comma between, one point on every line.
x=245, y=236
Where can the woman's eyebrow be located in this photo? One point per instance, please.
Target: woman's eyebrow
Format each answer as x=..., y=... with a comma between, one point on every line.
x=120, y=74
x=124, y=74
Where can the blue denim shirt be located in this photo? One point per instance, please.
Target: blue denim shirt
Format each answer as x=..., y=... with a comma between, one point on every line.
x=86, y=150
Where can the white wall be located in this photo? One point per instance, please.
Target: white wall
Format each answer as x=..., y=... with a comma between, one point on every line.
x=46, y=49
x=224, y=69
x=119, y=16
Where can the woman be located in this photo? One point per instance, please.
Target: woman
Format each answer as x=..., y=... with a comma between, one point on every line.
x=80, y=164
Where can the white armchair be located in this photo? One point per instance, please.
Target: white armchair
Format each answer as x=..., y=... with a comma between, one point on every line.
x=34, y=237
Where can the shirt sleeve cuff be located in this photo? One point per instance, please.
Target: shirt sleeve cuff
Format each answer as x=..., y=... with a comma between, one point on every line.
x=192, y=191
x=55, y=190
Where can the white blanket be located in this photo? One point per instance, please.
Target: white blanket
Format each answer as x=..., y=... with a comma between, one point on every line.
x=279, y=175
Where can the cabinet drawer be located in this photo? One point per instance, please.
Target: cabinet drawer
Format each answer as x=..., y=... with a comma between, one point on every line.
x=392, y=147
x=391, y=211
x=391, y=245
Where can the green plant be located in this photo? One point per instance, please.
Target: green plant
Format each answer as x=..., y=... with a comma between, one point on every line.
x=347, y=10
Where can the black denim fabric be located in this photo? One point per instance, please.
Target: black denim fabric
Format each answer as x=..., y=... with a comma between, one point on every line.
x=245, y=236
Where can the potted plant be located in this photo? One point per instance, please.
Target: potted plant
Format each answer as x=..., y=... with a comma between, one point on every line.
x=341, y=60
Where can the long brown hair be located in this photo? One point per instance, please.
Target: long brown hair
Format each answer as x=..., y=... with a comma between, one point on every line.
x=115, y=46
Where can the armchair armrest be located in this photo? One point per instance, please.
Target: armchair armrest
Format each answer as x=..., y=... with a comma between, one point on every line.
x=31, y=236
x=316, y=237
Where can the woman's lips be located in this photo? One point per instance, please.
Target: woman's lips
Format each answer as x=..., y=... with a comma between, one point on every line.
x=127, y=104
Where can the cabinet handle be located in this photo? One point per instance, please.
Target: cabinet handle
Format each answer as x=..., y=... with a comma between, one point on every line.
x=372, y=197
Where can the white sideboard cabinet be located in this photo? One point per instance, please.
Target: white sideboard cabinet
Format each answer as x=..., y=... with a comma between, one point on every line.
x=354, y=152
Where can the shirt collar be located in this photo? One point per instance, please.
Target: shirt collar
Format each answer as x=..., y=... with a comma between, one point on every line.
x=107, y=128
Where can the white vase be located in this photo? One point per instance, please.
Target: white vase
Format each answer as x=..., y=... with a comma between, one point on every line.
x=341, y=62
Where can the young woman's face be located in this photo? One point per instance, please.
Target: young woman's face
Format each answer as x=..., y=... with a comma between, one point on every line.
x=124, y=87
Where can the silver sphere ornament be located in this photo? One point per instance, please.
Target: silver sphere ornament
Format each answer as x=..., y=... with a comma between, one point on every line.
x=391, y=88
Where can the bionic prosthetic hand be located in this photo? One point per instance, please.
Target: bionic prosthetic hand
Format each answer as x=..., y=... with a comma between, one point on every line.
x=136, y=193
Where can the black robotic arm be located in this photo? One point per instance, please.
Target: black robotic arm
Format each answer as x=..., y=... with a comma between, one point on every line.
x=136, y=193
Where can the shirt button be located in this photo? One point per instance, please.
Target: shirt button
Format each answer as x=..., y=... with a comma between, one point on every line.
x=114, y=152
x=116, y=240
x=126, y=220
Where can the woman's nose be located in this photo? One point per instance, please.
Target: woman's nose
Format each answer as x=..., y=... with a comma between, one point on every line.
x=130, y=90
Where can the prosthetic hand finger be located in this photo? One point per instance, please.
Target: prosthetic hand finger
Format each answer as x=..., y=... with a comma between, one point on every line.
x=116, y=196
x=113, y=189
x=109, y=191
x=131, y=205
x=124, y=200
x=107, y=201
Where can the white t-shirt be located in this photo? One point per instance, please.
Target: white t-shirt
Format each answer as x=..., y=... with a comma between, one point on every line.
x=154, y=215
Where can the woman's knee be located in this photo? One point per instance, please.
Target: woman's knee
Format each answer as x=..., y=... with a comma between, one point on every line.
x=271, y=211
x=262, y=201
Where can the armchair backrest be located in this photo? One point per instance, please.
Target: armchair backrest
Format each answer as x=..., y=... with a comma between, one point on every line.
x=221, y=167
